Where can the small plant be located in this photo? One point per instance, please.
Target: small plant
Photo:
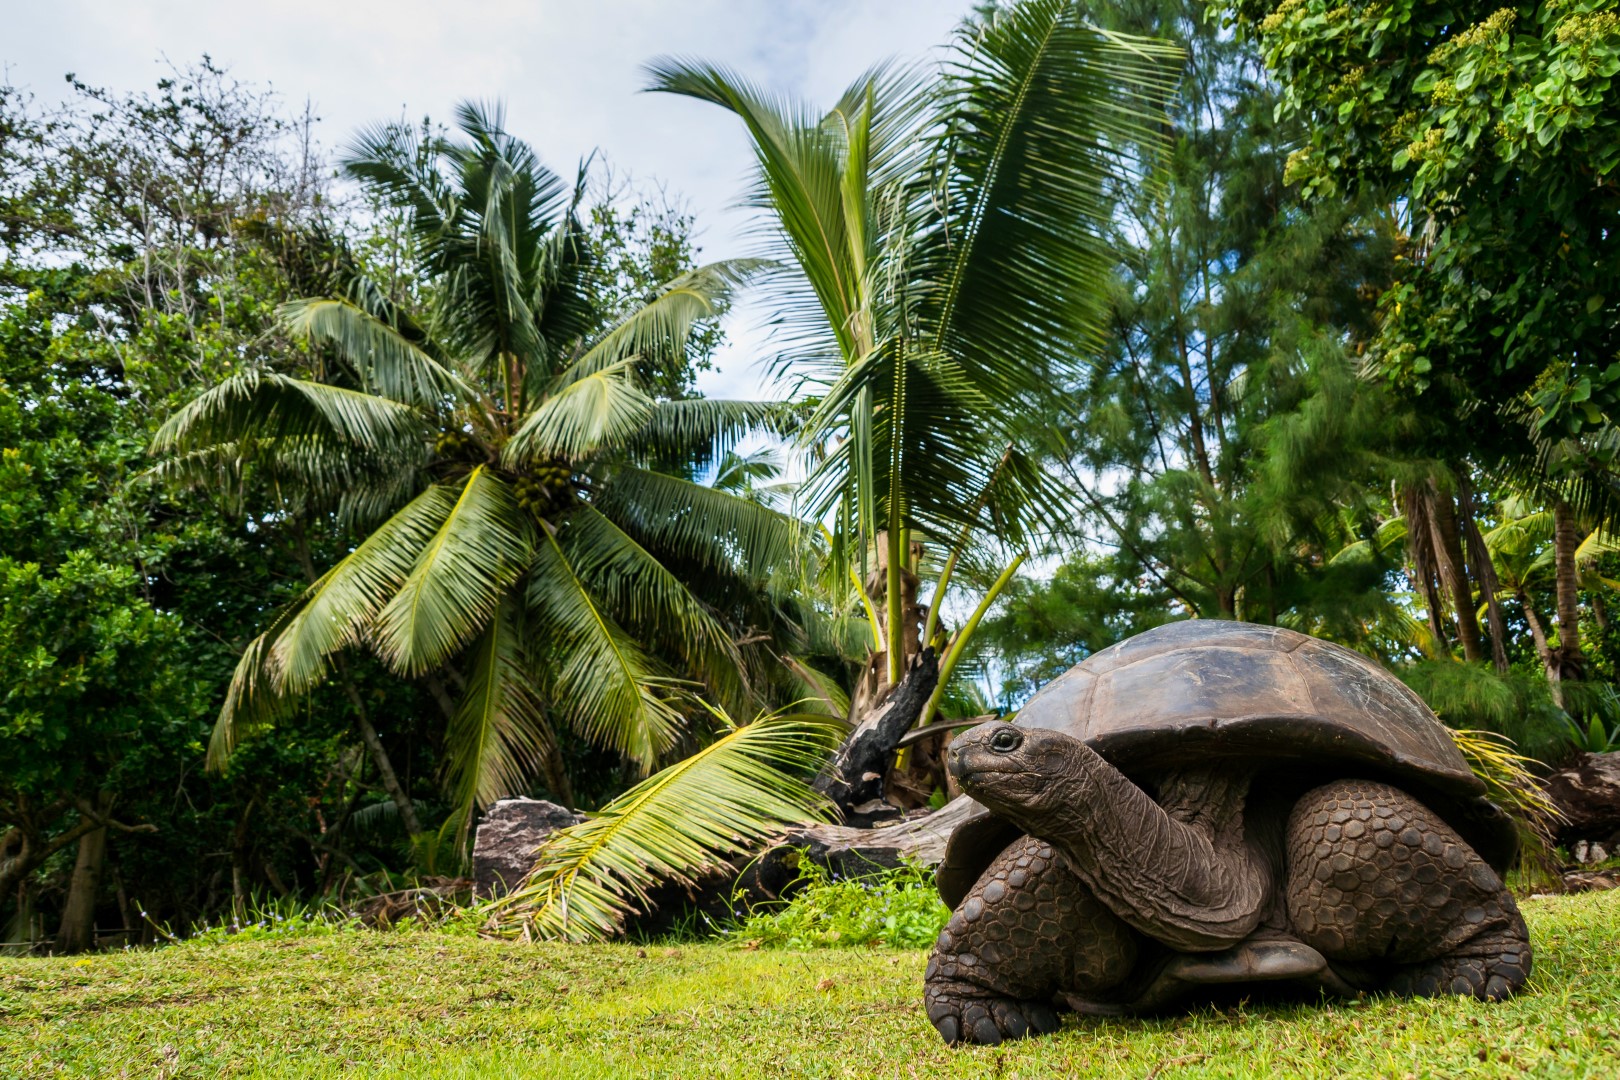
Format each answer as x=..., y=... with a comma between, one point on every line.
x=1595, y=737
x=890, y=908
x=262, y=918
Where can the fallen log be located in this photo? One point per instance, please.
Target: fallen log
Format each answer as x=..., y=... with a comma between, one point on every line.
x=848, y=850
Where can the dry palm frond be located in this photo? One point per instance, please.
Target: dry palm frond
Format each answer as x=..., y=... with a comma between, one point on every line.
x=1515, y=787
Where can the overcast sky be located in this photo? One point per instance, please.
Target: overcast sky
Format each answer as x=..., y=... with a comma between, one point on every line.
x=570, y=74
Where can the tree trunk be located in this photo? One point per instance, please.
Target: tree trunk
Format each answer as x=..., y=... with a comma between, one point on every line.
x=1420, y=557
x=853, y=779
x=1479, y=557
x=880, y=713
x=240, y=893
x=873, y=685
x=1454, y=571
x=1566, y=539
x=23, y=847
x=19, y=936
x=379, y=757
x=77, y=932
x=1538, y=634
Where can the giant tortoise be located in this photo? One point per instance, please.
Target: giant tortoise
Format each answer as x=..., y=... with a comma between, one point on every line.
x=1216, y=802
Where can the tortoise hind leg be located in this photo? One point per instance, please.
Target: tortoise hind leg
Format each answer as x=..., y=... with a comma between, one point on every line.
x=1376, y=879
x=1027, y=931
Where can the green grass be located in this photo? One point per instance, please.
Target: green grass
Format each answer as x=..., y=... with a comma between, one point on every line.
x=429, y=1004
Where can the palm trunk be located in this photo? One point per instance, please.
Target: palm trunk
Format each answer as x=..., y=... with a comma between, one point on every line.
x=1566, y=539
x=891, y=587
x=1420, y=556
x=1479, y=557
x=1454, y=571
x=1543, y=649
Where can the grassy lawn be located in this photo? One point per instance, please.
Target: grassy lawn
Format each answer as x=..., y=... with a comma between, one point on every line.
x=423, y=1004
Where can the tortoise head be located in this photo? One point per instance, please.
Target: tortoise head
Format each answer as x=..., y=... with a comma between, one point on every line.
x=1013, y=770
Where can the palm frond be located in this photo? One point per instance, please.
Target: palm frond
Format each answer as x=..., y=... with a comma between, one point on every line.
x=716, y=529
x=480, y=551
x=602, y=681
x=649, y=600
x=666, y=320
x=699, y=430
x=399, y=163
x=1513, y=784
x=252, y=702
x=819, y=687
x=1036, y=110
x=801, y=179
x=338, y=610
x=264, y=407
x=723, y=799
x=603, y=408
x=499, y=731
x=387, y=362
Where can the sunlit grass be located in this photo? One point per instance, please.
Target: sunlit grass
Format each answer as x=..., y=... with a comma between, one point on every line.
x=429, y=1004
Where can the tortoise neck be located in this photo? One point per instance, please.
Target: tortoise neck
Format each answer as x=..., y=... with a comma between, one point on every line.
x=1209, y=797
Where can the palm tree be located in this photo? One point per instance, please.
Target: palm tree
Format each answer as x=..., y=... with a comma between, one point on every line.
x=1531, y=549
x=944, y=274
x=500, y=456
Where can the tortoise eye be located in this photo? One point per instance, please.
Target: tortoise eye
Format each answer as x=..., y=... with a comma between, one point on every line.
x=1006, y=740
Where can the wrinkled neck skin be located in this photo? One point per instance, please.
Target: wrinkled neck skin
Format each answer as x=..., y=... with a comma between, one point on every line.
x=1180, y=869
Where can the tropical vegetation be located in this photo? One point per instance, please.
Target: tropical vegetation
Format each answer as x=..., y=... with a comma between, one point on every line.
x=343, y=495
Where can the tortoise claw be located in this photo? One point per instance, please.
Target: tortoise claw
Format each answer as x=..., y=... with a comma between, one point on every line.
x=987, y=1021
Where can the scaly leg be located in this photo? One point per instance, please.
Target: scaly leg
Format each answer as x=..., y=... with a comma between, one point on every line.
x=1027, y=930
x=1375, y=876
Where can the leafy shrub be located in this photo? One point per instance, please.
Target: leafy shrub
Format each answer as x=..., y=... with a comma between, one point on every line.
x=897, y=909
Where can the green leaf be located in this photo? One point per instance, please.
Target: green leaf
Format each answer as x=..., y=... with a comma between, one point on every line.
x=481, y=550
x=338, y=610
x=600, y=679
x=649, y=600
x=601, y=409
x=718, y=530
x=264, y=407
x=723, y=799
x=667, y=320
x=499, y=732
x=388, y=363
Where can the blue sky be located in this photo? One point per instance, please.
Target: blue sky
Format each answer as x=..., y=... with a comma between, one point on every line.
x=568, y=72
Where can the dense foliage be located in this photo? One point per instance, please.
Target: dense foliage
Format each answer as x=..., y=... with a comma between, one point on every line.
x=341, y=495
x=1495, y=128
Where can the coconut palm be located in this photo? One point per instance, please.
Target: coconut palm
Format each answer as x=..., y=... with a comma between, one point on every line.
x=945, y=274
x=1527, y=549
x=500, y=456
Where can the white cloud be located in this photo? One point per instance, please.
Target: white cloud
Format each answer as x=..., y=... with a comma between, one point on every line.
x=570, y=74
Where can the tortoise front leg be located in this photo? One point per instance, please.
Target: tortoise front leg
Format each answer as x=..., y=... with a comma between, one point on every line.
x=1027, y=931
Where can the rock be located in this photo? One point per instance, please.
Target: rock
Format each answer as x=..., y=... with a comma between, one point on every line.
x=1587, y=853
x=1589, y=880
x=503, y=847
x=1588, y=795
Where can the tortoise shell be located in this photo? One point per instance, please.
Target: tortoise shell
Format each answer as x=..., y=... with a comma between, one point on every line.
x=1204, y=689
